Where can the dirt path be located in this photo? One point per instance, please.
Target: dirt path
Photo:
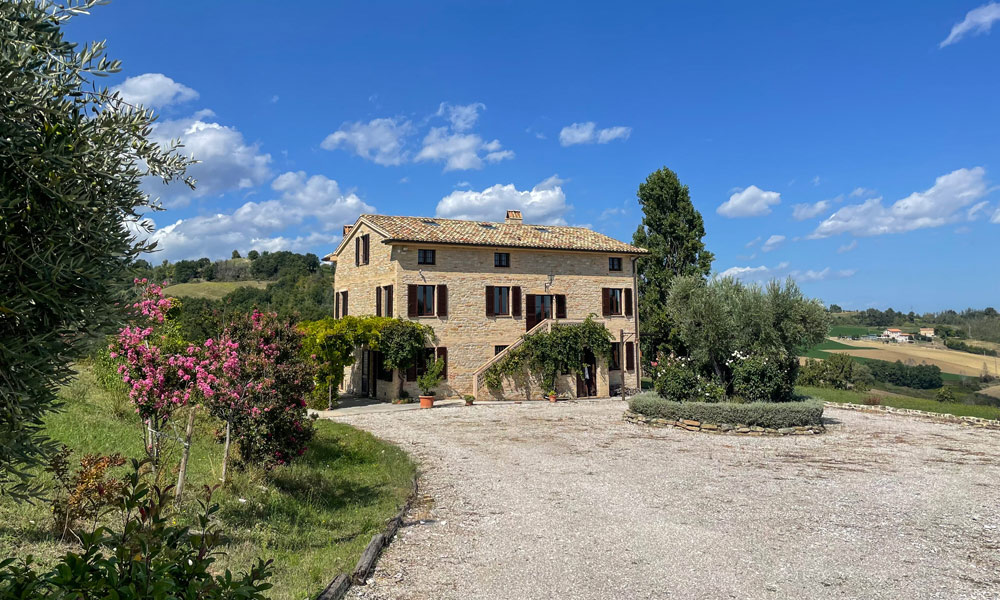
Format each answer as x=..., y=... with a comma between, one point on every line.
x=568, y=501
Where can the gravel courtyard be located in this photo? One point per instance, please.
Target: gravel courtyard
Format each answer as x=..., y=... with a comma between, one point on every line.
x=567, y=501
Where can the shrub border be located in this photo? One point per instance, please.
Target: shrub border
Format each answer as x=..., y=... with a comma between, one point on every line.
x=722, y=428
x=338, y=588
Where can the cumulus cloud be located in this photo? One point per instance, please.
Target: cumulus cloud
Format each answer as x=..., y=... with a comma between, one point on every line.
x=226, y=162
x=750, y=202
x=764, y=273
x=772, y=243
x=379, y=140
x=977, y=21
x=543, y=204
x=936, y=206
x=587, y=133
x=801, y=212
x=306, y=215
x=153, y=90
x=462, y=117
x=460, y=151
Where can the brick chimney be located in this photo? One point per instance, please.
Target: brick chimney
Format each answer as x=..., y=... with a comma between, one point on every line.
x=514, y=217
x=347, y=229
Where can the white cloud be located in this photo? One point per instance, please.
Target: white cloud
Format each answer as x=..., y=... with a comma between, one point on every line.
x=379, y=140
x=462, y=117
x=764, y=273
x=306, y=216
x=226, y=162
x=753, y=242
x=973, y=213
x=816, y=180
x=996, y=217
x=543, y=204
x=858, y=192
x=153, y=90
x=801, y=212
x=587, y=133
x=750, y=202
x=848, y=247
x=460, y=151
x=934, y=207
x=772, y=243
x=976, y=21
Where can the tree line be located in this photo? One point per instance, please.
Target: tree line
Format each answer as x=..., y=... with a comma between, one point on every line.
x=265, y=266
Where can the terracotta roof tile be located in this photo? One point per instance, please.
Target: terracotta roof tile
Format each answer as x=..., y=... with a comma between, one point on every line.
x=481, y=233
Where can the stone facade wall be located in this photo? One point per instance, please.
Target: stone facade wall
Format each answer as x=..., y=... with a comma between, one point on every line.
x=469, y=335
x=727, y=428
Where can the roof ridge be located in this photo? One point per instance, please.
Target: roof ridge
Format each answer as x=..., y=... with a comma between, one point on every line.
x=477, y=221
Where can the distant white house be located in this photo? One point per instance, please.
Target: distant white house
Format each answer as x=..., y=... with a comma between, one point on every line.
x=927, y=331
x=897, y=335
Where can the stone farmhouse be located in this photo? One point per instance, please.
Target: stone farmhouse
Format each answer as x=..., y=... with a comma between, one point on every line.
x=481, y=286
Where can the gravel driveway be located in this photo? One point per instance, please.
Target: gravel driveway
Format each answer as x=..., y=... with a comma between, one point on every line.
x=567, y=501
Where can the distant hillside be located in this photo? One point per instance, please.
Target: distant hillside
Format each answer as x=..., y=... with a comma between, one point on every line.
x=213, y=290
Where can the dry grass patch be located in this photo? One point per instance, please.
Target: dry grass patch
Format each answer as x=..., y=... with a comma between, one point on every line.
x=950, y=361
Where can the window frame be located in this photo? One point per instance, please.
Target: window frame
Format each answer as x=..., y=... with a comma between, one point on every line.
x=424, y=252
x=501, y=299
x=613, y=261
x=431, y=292
x=612, y=298
x=501, y=264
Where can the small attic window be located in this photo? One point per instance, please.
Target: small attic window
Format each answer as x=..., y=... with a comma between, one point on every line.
x=431, y=222
x=541, y=230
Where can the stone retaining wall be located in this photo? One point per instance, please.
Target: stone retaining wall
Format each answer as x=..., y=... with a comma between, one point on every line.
x=941, y=417
x=726, y=428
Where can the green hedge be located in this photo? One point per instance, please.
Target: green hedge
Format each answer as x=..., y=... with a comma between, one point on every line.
x=755, y=414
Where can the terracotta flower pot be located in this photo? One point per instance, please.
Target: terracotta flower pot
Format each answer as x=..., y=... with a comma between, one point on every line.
x=552, y=397
x=427, y=402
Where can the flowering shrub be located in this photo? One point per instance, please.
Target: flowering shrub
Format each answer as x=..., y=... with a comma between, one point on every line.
x=761, y=378
x=675, y=378
x=266, y=407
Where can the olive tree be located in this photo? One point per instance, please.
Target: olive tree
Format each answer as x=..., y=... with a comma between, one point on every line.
x=72, y=158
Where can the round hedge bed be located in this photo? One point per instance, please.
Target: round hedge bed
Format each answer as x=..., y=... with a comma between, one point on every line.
x=755, y=418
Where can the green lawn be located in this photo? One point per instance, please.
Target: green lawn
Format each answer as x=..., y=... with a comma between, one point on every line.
x=847, y=396
x=852, y=330
x=213, y=290
x=314, y=517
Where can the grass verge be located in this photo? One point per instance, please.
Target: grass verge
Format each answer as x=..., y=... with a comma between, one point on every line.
x=314, y=518
x=929, y=405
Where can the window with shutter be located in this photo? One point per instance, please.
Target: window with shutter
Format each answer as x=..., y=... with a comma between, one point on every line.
x=378, y=302
x=611, y=301
x=336, y=306
x=442, y=308
x=629, y=356
x=561, y=306
x=605, y=304
x=388, y=301
x=357, y=251
x=531, y=312
x=425, y=300
x=515, y=301
x=442, y=354
x=411, y=300
x=364, y=248
x=628, y=302
x=489, y=301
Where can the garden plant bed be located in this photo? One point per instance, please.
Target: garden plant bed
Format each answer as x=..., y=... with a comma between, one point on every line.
x=726, y=428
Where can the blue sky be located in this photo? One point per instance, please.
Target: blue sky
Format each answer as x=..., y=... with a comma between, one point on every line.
x=854, y=148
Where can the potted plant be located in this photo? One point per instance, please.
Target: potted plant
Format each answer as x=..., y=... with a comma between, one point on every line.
x=552, y=395
x=428, y=381
x=469, y=399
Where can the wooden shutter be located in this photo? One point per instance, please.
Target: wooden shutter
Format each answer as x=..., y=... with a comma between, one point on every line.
x=489, y=301
x=605, y=301
x=343, y=309
x=442, y=291
x=515, y=301
x=530, y=319
x=628, y=302
x=411, y=300
x=629, y=356
x=561, y=306
x=388, y=301
x=442, y=354
x=365, y=247
x=357, y=251
x=336, y=305
x=378, y=302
